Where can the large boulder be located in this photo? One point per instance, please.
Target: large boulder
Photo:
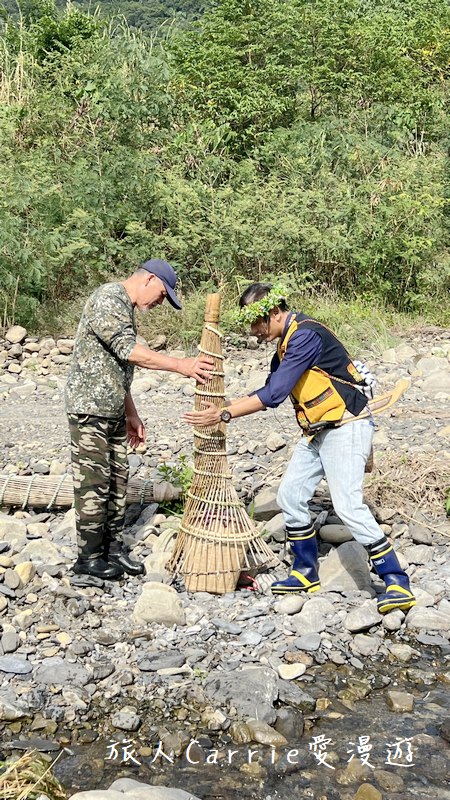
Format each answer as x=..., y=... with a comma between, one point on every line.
x=16, y=334
x=345, y=569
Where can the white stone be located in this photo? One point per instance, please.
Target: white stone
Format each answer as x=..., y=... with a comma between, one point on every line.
x=158, y=603
x=288, y=672
x=428, y=619
x=291, y=604
x=15, y=334
x=275, y=441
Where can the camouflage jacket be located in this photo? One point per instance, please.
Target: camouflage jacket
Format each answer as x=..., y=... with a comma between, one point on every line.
x=100, y=375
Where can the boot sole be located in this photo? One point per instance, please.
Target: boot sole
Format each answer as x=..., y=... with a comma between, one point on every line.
x=403, y=605
x=99, y=575
x=296, y=590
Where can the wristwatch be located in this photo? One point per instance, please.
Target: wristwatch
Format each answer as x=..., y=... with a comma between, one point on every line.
x=225, y=415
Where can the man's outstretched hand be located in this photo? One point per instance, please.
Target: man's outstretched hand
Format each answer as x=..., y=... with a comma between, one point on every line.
x=198, y=368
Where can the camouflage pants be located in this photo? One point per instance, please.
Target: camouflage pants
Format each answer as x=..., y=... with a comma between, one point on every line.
x=100, y=474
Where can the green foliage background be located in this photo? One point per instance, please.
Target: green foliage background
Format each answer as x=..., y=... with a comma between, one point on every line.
x=286, y=136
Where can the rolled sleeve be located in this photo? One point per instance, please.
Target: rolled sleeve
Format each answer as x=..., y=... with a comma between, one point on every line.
x=304, y=348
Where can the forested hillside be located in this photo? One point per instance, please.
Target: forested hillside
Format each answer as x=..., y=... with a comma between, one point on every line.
x=150, y=15
x=273, y=136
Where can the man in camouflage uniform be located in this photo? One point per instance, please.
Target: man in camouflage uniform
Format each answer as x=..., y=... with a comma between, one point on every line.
x=102, y=414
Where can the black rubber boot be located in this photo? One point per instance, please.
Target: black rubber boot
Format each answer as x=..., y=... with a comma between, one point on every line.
x=122, y=559
x=98, y=567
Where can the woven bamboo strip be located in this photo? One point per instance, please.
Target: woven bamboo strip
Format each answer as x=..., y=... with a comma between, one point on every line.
x=217, y=540
x=48, y=491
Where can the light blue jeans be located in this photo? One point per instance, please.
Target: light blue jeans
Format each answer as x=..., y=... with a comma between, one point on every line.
x=339, y=455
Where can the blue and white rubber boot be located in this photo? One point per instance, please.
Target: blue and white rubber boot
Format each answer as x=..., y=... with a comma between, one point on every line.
x=304, y=576
x=387, y=566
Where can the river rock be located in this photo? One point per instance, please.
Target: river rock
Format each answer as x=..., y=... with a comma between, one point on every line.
x=335, y=534
x=22, y=391
x=345, y=568
x=291, y=694
x=290, y=724
x=11, y=708
x=15, y=665
x=132, y=790
x=16, y=334
x=368, y=792
x=393, y=621
x=26, y=572
x=158, y=603
x=265, y=503
x=12, y=529
x=362, y=618
x=291, y=604
x=289, y=672
x=40, y=551
x=309, y=642
x=275, y=441
x=365, y=645
x=428, y=366
x=226, y=626
x=56, y=671
x=418, y=554
x=36, y=530
x=263, y=733
x=420, y=535
x=161, y=659
x=276, y=528
x=252, y=691
x=310, y=619
x=399, y=701
x=126, y=719
x=11, y=579
x=429, y=619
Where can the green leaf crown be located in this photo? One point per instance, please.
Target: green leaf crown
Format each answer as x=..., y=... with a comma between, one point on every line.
x=261, y=308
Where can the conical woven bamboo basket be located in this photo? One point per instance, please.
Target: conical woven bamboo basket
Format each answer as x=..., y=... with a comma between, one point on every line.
x=217, y=540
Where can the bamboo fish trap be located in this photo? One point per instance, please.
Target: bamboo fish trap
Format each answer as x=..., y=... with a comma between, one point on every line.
x=217, y=540
x=47, y=491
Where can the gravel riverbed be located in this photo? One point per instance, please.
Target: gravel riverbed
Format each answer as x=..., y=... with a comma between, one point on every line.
x=101, y=667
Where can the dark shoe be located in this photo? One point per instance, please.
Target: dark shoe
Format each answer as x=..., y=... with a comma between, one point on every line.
x=98, y=568
x=128, y=565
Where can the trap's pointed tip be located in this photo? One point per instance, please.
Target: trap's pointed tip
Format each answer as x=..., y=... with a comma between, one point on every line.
x=212, y=309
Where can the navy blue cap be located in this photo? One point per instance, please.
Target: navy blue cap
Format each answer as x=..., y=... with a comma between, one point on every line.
x=167, y=275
